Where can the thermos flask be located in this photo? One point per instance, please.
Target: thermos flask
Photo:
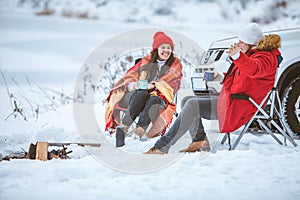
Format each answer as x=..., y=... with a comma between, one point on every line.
x=120, y=136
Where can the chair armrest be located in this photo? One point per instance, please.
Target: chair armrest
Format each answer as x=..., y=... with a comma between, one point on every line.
x=240, y=96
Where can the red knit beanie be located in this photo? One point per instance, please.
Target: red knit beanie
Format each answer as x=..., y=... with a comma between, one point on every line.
x=161, y=38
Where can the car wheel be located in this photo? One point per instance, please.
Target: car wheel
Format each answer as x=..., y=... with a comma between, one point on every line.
x=291, y=106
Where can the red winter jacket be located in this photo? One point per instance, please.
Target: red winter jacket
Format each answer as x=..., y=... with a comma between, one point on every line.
x=252, y=74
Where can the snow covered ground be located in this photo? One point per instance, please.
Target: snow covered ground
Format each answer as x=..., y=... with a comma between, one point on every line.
x=50, y=51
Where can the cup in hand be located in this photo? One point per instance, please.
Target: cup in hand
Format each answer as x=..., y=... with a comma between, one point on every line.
x=209, y=76
x=143, y=84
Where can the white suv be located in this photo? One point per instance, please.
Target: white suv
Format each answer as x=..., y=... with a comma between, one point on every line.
x=287, y=80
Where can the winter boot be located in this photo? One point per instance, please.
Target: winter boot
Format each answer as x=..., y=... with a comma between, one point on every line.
x=197, y=146
x=155, y=150
x=139, y=131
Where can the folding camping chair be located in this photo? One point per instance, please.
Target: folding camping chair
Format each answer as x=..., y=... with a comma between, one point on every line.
x=265, y=118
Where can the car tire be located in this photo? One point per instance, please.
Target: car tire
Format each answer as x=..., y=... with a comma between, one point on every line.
x=291, y=106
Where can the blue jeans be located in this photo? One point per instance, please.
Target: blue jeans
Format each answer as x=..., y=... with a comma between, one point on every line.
x=193, y=109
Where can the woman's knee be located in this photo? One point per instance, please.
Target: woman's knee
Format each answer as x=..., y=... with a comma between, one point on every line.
x=154, y=100
x=192, y=105
x=192, y=101
x=185, y=99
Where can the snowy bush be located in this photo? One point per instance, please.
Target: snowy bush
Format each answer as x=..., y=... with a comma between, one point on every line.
x=161, y=11
x=260, y=11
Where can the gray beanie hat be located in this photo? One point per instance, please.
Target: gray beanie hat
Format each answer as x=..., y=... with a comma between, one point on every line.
x=250, y=34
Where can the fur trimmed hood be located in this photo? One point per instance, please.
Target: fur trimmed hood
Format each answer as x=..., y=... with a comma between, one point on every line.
x=269, y=43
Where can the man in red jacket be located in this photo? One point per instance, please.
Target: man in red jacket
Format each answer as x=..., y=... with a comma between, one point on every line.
x=253, y=69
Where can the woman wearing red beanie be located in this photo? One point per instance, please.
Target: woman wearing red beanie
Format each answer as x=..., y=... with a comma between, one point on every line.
x=151, y=83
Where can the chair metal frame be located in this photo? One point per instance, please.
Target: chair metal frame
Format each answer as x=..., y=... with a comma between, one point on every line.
x=270, y=117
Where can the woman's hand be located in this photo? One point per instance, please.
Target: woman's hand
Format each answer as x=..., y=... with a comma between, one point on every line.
x=233, y=49
x=132, y=86
x=218, y=76
x=151, y=86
